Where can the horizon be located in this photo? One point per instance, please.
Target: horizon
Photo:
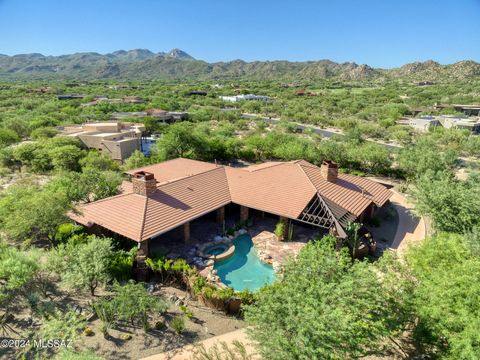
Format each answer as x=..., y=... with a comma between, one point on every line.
x=374, y=33
x=231, y=60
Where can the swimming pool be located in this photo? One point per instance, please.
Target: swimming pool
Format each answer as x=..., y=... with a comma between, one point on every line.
x=244, y=270
x=216, y=249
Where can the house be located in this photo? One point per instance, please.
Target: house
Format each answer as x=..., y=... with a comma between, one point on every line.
x=421, y=124
x=165, y=198
x=424, y=83
x=427, y=123
x=159, y=114
x=468, y=110
x=237, y=98
x=305, y=93
x=70, y=97
x=133, y=100
x=196, y=92
x=116, y=139
x=460, y=122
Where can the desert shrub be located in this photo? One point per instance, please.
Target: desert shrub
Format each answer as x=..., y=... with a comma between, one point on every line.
x=178, y=324
x=121, y=265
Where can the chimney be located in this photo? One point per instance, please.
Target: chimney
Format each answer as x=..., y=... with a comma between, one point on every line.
x=329, y=170
x=144, y=183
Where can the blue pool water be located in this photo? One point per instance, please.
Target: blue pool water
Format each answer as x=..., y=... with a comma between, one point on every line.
x=146, y=145
x=244, y=270
x=216, y=249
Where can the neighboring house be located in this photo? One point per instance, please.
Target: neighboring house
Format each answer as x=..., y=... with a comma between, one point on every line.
x=458, y=122
x=468, y=110
x=133, y=100
x=424, y=83
x=427, y=123
x=424, y=123
x=236, y=98
x=159, y=114
x=196, y=92
x=116, y=139
x=70, y=97
x=166, y=197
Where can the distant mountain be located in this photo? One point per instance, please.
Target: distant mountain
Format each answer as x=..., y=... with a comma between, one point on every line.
x=143, y=64
x=179, y=54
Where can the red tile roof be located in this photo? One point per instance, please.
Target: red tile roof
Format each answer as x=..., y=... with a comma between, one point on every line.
x=140, y=217
x=175, y=169
x=188, y=189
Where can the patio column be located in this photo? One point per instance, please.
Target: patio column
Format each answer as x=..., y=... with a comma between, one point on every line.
x=186, y=233
x=142, y=253
x=243, y=213
x=221, y=215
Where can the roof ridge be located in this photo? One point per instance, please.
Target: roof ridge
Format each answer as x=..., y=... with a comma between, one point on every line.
x=306, y=175
x=277, y=163
x=142, y=227
x=189, y=177
x=163, y=162
x=317, y=190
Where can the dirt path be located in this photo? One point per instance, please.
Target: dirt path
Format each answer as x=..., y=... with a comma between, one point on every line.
x=410, y=229
x=187, y=352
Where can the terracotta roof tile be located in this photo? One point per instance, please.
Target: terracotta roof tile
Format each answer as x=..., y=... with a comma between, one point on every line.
x=175, y=169
x=139, y=217
x=282, y=189
x=352, y=193
x=188, y=189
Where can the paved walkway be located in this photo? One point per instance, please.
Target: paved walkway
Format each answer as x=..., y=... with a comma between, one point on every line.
x=187, y=352
x=410, y=229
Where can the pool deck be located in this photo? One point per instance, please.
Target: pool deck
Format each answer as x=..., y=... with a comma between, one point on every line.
x=273, y=251
x=276, y=252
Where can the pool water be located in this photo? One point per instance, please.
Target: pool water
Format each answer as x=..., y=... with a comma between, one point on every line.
x=244, y=270
x=216, y=250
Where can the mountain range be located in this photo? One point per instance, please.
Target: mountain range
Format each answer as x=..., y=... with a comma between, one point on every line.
x=143, y=64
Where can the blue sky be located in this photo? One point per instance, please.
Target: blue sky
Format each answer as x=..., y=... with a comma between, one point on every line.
x=381, y=33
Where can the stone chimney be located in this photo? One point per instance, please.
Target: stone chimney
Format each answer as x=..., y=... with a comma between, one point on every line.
x=329, y=170
x=144, y=183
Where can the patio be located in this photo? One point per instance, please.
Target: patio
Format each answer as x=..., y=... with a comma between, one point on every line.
x=261, y=228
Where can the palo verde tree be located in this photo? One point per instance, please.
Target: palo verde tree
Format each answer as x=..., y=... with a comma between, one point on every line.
x=83, y=265
x=447, y=278
x=324, y=307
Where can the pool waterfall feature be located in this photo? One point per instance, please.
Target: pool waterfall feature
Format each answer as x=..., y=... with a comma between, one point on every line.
x=238, y=266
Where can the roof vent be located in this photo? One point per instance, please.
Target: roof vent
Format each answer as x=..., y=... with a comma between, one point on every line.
x=144, y=183
x=329, y=170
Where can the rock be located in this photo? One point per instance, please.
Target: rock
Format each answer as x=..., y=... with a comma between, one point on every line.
x=159, y=325
x=210, y=262
x=151, y=288
x=242, y=231
x=217, y=238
